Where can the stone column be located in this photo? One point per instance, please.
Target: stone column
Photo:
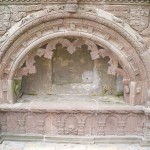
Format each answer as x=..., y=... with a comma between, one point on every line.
x=101, y=126
x=147, y=125
x=61, y=125
x=81, y=126
x=22, y=126
x=40, y=126
x=4, y=126
x=121, y=125
x=140, y=130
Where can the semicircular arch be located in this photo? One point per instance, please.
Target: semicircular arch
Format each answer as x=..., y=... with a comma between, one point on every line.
x=109, y=31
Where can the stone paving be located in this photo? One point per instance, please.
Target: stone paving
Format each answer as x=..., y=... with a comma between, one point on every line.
x=7, y=145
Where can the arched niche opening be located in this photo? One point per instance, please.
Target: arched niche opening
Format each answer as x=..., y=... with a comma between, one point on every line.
x=70, y=68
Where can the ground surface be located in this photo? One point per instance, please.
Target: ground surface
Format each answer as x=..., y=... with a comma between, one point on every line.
x=7, y=145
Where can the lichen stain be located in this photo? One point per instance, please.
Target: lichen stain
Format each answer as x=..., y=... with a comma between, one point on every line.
x=82, y=60
x=65, y=63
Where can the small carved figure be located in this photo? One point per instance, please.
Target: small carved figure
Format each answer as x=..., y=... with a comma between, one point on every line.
x=71, y=130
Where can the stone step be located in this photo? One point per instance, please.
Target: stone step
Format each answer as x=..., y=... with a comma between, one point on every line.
x=10, y=145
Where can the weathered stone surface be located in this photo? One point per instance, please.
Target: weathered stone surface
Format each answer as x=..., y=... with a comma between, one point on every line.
x=55, y=146
x=75, y=69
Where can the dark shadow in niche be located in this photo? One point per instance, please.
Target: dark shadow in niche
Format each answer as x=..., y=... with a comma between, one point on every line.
x=72, y=74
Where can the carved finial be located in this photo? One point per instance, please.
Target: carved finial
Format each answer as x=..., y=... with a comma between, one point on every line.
x=72, y=6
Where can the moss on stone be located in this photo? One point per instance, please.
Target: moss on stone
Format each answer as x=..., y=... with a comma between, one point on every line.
x=17, y=87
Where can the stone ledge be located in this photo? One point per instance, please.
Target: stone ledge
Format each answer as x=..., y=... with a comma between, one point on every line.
x=72, y=104
x=82, y=2
x=77, y=140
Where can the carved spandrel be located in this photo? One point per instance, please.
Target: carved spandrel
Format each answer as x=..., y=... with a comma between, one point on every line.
x=139, y=18
x=4, y=19
x=19, y=12
x=10, y=14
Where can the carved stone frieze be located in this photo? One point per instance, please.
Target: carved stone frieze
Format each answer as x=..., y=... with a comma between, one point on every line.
x=71, y=124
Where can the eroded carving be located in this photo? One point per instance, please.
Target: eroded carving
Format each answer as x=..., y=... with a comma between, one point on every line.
x=10, y=14
x=100, y=124
x=19, y=12
x=129, y=49
x=71, y=6
x=4, y=19
x=139, y=18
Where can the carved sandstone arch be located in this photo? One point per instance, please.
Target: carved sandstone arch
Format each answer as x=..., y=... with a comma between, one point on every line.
x=94, y=24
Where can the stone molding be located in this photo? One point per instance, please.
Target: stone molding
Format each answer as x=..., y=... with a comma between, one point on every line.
x=81, y=1
x=136, y=17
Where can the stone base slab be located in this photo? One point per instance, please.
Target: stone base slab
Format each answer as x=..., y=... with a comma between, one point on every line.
x=77, y=140
x=74, y=123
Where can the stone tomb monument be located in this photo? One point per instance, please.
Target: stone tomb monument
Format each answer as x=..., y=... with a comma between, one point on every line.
x=75, y=71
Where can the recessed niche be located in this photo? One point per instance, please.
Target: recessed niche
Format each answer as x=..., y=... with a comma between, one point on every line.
x=66, y=71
